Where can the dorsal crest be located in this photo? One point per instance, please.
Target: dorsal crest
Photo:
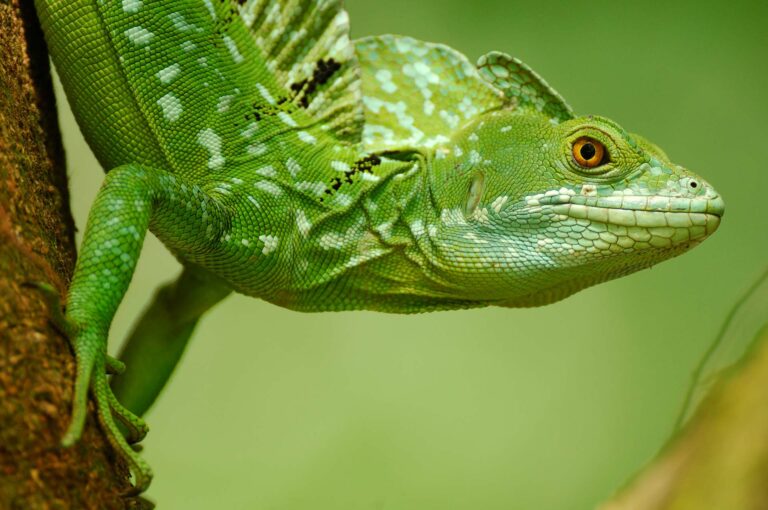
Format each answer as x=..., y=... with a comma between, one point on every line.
x=416, y=94
x=306, y=45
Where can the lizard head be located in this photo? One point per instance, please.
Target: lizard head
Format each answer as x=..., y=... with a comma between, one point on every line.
x=533, y=210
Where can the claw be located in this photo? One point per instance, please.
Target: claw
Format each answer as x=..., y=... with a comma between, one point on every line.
x=141, y=471
x=137, y=428
x=114, y=366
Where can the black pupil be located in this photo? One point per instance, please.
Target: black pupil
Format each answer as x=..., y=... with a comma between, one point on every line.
x=588, y=151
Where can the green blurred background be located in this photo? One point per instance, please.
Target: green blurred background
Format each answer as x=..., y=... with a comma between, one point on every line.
x=549, y=408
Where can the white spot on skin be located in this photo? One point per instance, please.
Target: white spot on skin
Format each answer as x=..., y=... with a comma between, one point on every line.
x=265, y=93
x=267, y=171
x=224, y=102
x=249, y=130
x=302, y=223
x=385, y=78
x=467, y=107
x=287, y=119
x=179, y=22
x=505, y=129
x=171, y=107
x=499, y=203
x=188, y=46
x=232, y=47
x=212, y=142
x=270, y=243
x=364, y=257
x=384, y=229
x=307, y=137
x=417, y=227
x=450, y=118
x=131, y=6
x=399, y=110
x=169, y=73
x=481, y=214
x=473, y=237
x=343, y=199
x=452, y=217
x=269, y=187
x=318, y=188
x=139, y=36
x=210, y=8
x=245, y=242
x=331, y=241
x=373, y=133
x=256, y=149
x=255, y=202
x=340, y=166
x=293, y=167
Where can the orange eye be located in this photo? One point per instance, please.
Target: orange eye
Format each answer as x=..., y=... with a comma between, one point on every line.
x=588, y=152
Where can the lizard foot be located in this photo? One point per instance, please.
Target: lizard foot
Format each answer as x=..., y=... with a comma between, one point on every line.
x=93, y=367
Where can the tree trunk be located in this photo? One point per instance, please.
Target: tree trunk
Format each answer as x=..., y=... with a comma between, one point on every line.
x=37, y=245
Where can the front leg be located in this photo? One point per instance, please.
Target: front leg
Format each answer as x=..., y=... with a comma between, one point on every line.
x=132, y=199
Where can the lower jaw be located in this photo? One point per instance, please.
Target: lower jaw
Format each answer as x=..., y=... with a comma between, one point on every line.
x=639, y=229
x=590, y=237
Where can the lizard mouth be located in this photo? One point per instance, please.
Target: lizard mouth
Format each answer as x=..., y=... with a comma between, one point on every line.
x=669, y=221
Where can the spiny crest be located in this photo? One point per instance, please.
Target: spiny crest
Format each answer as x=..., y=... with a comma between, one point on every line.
x=521, y=83
x=416, y=94
x=306, y=45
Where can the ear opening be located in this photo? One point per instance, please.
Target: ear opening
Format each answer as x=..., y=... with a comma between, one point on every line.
x=475, y=193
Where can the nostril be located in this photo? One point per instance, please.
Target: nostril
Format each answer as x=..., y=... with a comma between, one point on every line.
x=693, y=184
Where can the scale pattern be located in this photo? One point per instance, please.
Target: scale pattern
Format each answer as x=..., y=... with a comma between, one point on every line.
x=275, y=157
x=418, y=94
x=306, y=44
x=523, y=84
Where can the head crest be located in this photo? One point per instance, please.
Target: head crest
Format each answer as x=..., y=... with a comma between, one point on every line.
x=521, y=83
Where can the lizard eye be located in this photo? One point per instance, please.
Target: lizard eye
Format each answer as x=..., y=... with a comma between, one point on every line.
x=589, y=153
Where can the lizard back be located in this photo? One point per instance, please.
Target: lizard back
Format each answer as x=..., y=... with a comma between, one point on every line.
x=199, y=87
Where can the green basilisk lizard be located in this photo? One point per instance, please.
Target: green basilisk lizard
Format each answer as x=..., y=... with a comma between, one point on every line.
x=277, y=158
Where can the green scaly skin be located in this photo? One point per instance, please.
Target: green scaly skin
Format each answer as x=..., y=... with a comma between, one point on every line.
x=276, y=158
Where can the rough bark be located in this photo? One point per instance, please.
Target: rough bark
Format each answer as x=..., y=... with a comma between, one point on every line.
x=37, y=245
x=720, y=459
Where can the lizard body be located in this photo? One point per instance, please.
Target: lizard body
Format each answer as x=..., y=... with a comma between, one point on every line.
x=278, y=159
